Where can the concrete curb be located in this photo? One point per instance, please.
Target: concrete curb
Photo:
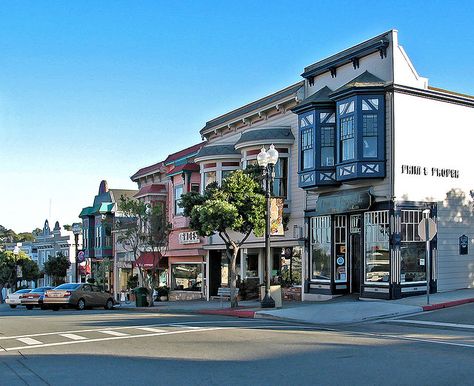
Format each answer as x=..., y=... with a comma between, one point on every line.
x=452, y=303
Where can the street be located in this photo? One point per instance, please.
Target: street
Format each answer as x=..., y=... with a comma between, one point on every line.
x=98, y=347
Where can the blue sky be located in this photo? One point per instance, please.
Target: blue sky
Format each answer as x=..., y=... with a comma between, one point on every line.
x=93, y=90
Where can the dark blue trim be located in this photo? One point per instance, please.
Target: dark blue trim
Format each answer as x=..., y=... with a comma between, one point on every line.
x=361, y=167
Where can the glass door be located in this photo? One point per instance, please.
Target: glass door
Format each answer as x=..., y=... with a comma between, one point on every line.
x=355, y=251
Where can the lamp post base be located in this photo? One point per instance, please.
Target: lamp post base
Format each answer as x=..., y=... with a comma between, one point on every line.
x=267, y=301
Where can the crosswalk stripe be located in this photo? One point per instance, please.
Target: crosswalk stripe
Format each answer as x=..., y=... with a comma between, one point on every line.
x=73, y=336
x=185, y=326
x=114, y=333
x=150, y=329
x=29, y=341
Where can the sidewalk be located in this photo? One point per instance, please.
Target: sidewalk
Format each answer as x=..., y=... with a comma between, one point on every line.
x=342, y=310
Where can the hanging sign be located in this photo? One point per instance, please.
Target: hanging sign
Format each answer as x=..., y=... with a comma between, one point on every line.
x=276, y=216
x=342, y=202
x=463, y=245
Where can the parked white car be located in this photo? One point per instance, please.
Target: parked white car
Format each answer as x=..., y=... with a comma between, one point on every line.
x=14, y=299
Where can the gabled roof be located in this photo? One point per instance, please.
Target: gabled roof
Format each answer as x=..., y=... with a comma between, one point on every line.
x=185, y=153
x=378, y=43
x=364, y=80
x=158, y=167
x=273, y=98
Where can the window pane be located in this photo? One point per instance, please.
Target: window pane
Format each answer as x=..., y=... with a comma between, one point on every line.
x=377, y=253
x=226, y=173
x=281, y=178
x=178, y=191
x=321, y=248
x=369, y=124
x=252, y=265
x=209, y=177
x=348, y=149
x=327, y=156
x=307, y=159
x=186, y=277
x=370, y=147
x=413, y=262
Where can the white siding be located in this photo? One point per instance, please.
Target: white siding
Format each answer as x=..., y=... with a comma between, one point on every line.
x=435, y=134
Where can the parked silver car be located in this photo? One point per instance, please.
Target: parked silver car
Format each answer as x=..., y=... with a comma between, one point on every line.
x=78, y=295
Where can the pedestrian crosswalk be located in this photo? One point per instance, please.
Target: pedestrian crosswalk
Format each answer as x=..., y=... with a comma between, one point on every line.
x=49, y=339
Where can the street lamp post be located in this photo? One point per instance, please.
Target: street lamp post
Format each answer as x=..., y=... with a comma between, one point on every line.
x=267, y=160
x=76, y=230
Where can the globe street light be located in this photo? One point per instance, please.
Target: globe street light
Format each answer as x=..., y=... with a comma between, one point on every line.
x=267, y=160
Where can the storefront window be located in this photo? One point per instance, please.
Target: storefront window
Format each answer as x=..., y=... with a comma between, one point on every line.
x=252, y=265
x=377, y=253
x=412, y=249
x=321, y=248
x=186, y=277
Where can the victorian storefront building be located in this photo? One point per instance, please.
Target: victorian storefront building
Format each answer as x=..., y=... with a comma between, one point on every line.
x=98, y=241
x=233, y=141
x=379, y=150
x=183, y=258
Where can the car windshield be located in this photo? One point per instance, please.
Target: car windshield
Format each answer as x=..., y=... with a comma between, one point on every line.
x=23, y=291
x=67, y=286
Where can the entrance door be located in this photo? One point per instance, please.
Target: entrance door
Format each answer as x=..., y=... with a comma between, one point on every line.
x=355, y=251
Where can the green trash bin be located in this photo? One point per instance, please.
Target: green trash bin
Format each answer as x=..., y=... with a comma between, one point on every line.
x=141, y=297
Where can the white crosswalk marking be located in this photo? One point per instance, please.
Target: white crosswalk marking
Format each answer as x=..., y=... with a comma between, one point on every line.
x=185, y=326
x=114, y=333
x=73, y=336
x=150, y=329
x=29, y=341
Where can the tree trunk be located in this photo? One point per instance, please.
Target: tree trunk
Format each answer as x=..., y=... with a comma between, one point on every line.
x=1, y=293
x=233, y=277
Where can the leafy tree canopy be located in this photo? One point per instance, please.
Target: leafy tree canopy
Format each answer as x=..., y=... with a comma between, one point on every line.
x=238, y=205
x=57, y=267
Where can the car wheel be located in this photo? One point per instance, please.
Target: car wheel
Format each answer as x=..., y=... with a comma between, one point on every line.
x=81, y=304
x=109, y=305
x=12, y=305
x=29, y=307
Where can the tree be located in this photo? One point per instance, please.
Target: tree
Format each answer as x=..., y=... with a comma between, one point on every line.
x=143, y=227
x=57, y=267
x=238, y=206
x=9, y=262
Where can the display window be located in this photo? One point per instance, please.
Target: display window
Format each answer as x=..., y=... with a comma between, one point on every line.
x=376, y=244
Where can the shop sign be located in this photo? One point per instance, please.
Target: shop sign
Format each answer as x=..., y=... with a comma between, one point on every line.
x=415, y=170
x=81, y=257
x=188, y=238
x=343, y=202
x=463, y=245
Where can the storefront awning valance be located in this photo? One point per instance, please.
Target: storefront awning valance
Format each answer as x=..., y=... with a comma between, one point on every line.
x=149, y=260
x=342, y=202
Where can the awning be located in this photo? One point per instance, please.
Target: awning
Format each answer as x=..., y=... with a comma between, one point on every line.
x=149, y=260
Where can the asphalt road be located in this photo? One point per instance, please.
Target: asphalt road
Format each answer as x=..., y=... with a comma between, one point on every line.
x=98, y=347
